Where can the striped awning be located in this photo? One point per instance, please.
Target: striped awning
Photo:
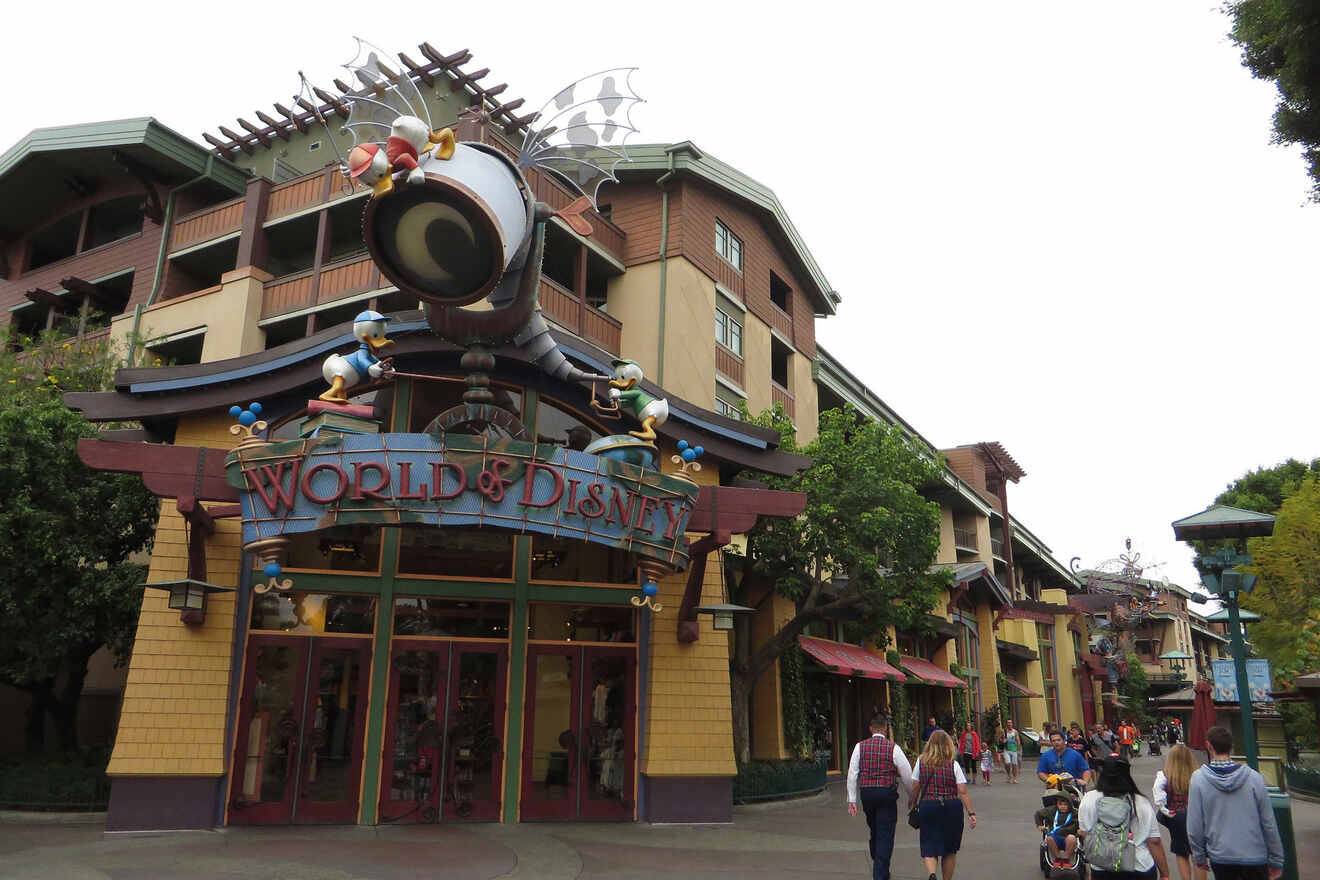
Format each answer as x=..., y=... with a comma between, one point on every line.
x=842, y=659
x=925, y=672
x=1022, y=689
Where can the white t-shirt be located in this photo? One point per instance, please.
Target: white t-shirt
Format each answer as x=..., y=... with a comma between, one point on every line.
x=1143, y=827
x=958, y=775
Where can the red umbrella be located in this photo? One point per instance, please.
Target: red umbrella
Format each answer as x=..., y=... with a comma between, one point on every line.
x=1203, y=715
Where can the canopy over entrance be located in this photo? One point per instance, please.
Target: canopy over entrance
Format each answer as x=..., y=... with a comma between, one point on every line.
x=842, y=659
x=925, y=672
x=1022, y=689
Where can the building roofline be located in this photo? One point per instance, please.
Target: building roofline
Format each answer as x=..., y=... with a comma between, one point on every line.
x=143, y=131
x=685, y=157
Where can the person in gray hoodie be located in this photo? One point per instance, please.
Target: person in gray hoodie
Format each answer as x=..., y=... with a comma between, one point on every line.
x=1230, y=824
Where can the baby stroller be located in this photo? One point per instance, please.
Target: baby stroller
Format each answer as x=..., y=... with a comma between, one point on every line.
x=1154, y=741
x=1075, y=868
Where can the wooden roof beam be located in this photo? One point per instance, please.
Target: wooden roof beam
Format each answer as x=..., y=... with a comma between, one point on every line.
x=296, y=118
x=43, y=297
x=225, y=149
x=275, y=127
x=100, y=298
x=337, y=105
x=499, y=89
x=419, y=69
x=238, y=140
x=255, y=132
x=463, y=78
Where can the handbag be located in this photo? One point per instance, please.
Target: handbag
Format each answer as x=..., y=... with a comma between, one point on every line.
x=914, y=812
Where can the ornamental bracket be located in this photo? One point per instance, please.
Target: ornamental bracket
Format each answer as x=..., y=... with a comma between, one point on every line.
x=689, y=630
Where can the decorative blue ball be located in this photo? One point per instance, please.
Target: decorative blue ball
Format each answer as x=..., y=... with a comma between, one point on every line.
x=682, y=444
x=246, y=418
x=650, y=589
x=235, y=410
x=689, y=455
x=272, y=570
x=255, y=407
x=699, y=451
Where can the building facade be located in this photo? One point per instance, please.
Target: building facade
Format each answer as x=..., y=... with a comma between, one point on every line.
x=472, y=672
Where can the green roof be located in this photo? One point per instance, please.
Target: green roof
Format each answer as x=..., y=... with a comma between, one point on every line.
x=687, y=158
x=35, y=173
x=1222, y=521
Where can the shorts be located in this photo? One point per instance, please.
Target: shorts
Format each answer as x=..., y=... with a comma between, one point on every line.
x=1014, y=758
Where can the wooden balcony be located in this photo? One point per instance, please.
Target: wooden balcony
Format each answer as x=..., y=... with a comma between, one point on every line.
x=728, y=364
x=781, y=321
x=206, y=224
x=965, y=539
x=571, y=313
x=289, y=293
x=781, y=395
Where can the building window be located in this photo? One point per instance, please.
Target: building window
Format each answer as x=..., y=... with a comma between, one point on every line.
x=727, y=409
x=728, y=331
x=1048, y=669
x=779, y=363
x=781, y=294
x=728, y=245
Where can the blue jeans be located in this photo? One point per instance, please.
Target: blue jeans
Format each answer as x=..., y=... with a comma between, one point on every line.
x=881, y=808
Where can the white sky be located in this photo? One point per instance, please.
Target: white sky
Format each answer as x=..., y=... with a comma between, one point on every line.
x=1041, y=216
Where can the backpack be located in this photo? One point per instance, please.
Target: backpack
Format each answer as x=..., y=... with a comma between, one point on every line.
x=1109, y=846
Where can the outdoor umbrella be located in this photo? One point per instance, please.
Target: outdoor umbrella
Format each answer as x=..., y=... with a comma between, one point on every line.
x=1203, y=715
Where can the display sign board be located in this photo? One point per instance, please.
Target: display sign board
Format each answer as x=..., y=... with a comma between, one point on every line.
x=1258, y=679
x=459, y=480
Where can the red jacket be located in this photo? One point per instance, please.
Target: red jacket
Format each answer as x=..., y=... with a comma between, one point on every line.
x=1127, y=734
x=976, y=743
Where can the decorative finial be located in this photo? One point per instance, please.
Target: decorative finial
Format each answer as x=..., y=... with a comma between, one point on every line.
x=249, y=426
x=647, y=600
x=687, y=460
x=272, y=570
x=269, y=551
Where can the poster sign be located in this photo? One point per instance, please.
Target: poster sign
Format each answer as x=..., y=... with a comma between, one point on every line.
x=1258, y=679
x=459, y=480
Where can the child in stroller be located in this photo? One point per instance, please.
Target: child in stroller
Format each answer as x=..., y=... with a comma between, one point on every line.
x=1060, y=845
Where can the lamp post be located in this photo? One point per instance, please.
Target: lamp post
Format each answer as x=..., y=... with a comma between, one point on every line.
x=1177, y=661
x=1219, y=573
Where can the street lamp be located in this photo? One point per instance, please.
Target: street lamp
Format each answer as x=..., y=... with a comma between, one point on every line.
x=723, y=613
x=1177, y=661
x=1220, y=575
x=188, y=597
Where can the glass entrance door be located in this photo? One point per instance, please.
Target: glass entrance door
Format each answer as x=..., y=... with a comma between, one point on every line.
x=444, y=743
x=298, y=751
x=579, y=733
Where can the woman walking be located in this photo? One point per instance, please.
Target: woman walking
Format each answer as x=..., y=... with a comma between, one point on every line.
x=939, y=788
x=1170, y=797
x=1122, y=823
x=1012, y=752
x=969, y=751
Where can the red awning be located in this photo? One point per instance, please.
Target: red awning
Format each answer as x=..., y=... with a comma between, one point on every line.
x=1022, y=689
x=844, y=659
x=928, y=673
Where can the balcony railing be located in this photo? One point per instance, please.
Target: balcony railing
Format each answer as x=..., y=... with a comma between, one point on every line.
x=965, y=539
x=781, y=395
x=299, y=290
x=997, y=547
x=780, y=320
x=565, y=309
x=729, y=277
x=206, y=224
x=728, y=364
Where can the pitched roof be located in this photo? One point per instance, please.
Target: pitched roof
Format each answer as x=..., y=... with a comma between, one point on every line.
x=1222, y=521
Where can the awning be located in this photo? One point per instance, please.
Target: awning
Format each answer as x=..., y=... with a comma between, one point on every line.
x=1016, y=651
x=926, y=672
x=1022, y=689
x=844, y=659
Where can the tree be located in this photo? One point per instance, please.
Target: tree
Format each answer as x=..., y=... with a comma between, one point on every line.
x=1280, y=41
x=863, y=547
x=67, y=533
x=1288, y=567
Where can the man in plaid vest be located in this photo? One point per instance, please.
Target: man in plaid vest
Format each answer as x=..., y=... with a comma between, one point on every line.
x=875, y=771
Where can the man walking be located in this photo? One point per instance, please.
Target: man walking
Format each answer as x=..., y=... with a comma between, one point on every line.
x=1060, y=759
x=1230, y=823
x=1127, y=735
x=875, y=770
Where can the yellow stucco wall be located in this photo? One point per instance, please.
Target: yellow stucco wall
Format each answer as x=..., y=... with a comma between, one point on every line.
x=805, y=400
x=173, y=718
x=633, y=299
x=756, y=351
x=767, y=720
x=946, y=553
x=229, y=314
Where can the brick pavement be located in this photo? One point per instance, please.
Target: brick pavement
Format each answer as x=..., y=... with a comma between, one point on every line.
x=813, y=839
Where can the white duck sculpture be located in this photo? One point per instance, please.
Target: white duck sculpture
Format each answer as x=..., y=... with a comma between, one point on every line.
x=345, y=371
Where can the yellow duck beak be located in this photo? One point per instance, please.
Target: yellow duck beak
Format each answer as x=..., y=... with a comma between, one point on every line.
x=377, y=343
x=623, y=384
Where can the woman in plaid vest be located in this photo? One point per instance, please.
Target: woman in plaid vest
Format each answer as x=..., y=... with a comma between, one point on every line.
x=1170, y=798
x=875, y=771
x=942, y=788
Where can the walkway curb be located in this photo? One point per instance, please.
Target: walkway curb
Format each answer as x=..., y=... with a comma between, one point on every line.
x=820, y=797
x=26, y=817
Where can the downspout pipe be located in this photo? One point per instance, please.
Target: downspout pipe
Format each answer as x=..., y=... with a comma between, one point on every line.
x=662, y=181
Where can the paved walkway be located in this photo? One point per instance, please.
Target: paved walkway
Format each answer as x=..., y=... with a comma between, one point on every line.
x=805, y=840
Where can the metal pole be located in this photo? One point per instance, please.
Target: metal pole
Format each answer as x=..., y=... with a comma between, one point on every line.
x=1244, y=692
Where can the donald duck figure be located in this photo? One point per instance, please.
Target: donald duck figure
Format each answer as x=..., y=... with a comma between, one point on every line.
x=626, y=394
x=344, y=372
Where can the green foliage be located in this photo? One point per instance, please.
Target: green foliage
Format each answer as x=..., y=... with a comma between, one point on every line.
x=762, y=780
x=70, y=781
x=67, y=532
x=793, y=689
x=990, y=721
x=1134, y=689
x=1005, y=706
x=1288, y=567
x=1280, y=41
x=900, y=710
x=1299, y=725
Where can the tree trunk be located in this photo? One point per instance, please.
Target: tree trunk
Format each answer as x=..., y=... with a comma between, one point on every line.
x=64, y=708
x=740, y=688
x=34, y=727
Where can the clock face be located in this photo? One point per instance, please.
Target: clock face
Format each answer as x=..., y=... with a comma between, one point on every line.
x=435, y=240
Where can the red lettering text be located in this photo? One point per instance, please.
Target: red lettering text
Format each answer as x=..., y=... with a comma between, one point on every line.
x=676, y=514
x=616, y=506
x=529, y=485
x=437, y=480
x=278, y=495
x=361, y=492
x=644, y=511
x=491, y=481
x=593, y=505
x=571, y=506
x=405, y=483
x=340, y=477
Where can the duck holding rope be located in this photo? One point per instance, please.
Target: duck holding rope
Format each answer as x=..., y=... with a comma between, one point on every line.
x=627, y=395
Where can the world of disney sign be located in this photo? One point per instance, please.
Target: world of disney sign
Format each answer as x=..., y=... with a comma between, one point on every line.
x=457, y=480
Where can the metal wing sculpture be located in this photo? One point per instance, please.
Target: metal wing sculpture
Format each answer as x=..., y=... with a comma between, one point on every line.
x=386, y=95
x=581, y=133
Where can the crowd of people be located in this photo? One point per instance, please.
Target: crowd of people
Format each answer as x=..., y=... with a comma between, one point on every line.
x=1218, y=815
